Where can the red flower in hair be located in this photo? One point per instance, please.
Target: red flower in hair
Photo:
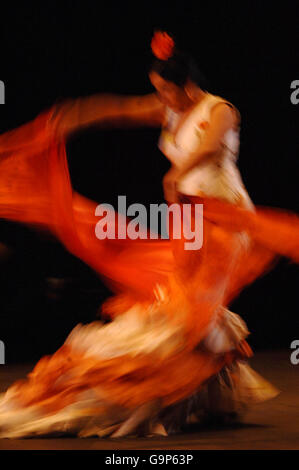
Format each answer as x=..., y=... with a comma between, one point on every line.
x=162, y=45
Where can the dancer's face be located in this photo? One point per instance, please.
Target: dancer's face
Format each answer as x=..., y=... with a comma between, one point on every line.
x=169, y=93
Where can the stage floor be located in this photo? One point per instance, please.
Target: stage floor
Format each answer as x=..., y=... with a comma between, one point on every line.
x=271, y=425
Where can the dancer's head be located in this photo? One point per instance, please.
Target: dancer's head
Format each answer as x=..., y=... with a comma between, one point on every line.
x=174, y=74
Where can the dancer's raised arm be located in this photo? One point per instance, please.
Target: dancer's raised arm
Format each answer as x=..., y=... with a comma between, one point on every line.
x=109, y=109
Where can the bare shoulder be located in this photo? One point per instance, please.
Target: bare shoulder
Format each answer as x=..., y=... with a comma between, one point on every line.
x=226, y=112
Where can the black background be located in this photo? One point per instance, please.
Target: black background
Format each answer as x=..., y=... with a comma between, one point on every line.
x=53, y=50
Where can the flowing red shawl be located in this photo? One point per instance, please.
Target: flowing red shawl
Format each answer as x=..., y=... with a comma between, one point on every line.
x=35, y=189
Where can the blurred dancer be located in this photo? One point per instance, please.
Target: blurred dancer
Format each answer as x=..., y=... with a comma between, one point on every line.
x=173, y=351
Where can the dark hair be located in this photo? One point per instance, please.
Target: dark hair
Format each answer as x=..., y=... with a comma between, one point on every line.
x=179, y=68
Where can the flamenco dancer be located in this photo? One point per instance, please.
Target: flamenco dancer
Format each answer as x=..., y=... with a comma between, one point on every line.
x=173, y=352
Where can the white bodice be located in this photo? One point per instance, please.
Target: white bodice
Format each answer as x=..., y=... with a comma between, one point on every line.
x=216, y=177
